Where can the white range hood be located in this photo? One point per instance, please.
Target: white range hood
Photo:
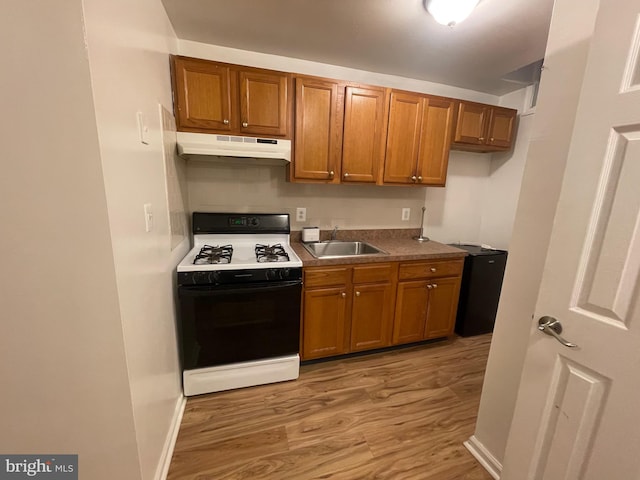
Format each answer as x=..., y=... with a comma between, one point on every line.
x=267, y=151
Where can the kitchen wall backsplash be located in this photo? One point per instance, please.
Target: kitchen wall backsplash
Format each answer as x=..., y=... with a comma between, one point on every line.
x=218, y=187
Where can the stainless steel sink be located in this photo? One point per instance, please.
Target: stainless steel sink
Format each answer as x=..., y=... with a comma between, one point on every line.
x=337, y=249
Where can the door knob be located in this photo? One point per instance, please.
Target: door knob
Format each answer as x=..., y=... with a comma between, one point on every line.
x=551, y=326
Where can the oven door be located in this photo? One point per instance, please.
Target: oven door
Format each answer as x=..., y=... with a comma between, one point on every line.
x=236, y=323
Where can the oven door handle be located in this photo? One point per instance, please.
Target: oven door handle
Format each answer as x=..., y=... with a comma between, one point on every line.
x=212, y=290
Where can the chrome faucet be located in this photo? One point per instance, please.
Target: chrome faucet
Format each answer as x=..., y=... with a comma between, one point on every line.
x=334, y=233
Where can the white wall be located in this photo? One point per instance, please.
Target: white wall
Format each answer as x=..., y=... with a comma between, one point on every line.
x=129, y=45
x=505, y=177
x=565, y=61
x=65, y=387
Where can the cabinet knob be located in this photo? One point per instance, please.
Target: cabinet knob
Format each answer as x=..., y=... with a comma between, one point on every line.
x=429, y=286
x=419, y=179
x=491, y=139
x=481, y=139
x=331, y=174
x=433, y=269
x=357, y=294
x=245, y=124
x=225, y=121
x=414, y=178
x=343, y=295
x=346, y=175
x=435, y=285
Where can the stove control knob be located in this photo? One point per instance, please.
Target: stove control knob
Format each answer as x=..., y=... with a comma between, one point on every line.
x=284, y=273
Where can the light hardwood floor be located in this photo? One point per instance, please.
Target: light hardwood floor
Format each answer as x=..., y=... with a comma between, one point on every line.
x=399, y=415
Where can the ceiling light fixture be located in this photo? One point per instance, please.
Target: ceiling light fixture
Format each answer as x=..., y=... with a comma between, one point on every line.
x=450, y=12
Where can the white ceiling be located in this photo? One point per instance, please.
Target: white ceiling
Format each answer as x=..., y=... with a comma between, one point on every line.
x=396, y=37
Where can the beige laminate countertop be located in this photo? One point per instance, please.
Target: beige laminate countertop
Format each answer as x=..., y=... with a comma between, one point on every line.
x=399, y=245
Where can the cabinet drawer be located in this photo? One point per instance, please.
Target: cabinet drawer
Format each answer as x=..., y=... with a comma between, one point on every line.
x=447, y=268
x=373, y=273
x=326, y=276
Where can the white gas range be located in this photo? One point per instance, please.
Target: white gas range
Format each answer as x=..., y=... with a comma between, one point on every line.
x=239, y=290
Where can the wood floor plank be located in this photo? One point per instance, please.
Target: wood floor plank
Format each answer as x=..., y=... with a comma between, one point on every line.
x=397, y=415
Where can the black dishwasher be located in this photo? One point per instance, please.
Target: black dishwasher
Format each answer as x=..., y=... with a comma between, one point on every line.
x=480, y=289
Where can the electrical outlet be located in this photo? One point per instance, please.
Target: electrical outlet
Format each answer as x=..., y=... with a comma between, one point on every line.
x=406, y=213
x=301, y=214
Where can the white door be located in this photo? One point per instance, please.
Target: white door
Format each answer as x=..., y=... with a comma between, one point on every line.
x=578, y=409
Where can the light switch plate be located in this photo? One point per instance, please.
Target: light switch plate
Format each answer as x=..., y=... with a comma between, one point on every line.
x=148, y=217
x=143, y=129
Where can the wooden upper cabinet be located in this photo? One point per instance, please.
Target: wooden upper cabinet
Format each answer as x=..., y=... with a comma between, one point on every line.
x=484, y=128
x=403, y=137
x=435, y=141
x=203, y=92
x=418, y=139
x=263, y=103
x=318, y=130
x=501, y=127
x=472, y=123
x=212, y=97
x=363, y=137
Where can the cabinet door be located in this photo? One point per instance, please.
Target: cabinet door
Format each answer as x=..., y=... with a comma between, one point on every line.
x=501, y=127
x=363, y=141
x=472, y=123
x=263, y=103
x=435, y=141
x=442, y=307
x=371, y=316
x=411, y=312
x=318, y=132
x=403, y=137
x=323, y=327
x=203, y=92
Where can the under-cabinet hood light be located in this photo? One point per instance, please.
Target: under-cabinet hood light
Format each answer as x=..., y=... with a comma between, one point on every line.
x=450, y=12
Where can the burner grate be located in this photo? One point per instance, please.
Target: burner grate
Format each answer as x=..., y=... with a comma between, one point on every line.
x=271, y=253
x=214, y=254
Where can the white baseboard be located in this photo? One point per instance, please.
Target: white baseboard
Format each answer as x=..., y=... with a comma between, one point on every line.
x=170, y=442
x=486, y=459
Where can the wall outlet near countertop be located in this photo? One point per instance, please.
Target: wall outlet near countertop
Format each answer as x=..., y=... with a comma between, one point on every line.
x=406, y=214
x=301, y=214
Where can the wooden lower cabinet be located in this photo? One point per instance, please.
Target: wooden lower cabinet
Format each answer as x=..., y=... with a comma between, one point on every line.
x=442, y=307
x=364, y=307
x=427, y=300
x=347, y=308
x=324, y=322
x=371, y=316
x=411, y=312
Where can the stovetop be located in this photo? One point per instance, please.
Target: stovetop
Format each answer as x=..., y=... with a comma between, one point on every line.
x=239, y=252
